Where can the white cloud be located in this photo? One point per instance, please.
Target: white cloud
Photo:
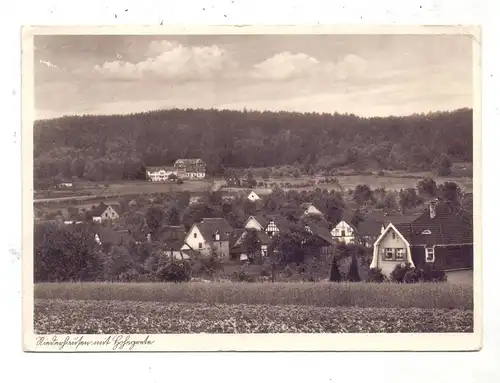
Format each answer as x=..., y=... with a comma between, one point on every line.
x=173, y=61
x=287, y=66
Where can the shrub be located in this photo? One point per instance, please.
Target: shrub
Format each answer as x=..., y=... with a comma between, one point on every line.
x=431, y=274
x=288, y=271
x=353, y=273
x=413, y=275
x=335, y=275
x=175, y=271
x=242, y=276
x=210, y=265
x=375, y=275
x=399, y=272
x=265, y=271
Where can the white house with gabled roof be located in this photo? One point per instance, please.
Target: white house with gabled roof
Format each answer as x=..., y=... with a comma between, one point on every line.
x=391, y=248
x=253, y=196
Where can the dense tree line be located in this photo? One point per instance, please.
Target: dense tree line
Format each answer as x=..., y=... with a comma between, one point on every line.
x=119, y=147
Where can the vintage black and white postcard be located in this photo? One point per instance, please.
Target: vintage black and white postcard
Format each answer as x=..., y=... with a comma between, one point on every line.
x=251, y=188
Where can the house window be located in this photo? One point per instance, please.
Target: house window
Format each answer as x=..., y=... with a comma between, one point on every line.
x=195, y=235
x=388, y=254
x=400, y=254
x=199, y=245
x=342, y=233
x=429, y=254
x=393, y=235
x=217, y=237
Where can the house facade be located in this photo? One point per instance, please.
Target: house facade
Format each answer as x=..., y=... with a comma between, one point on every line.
x=376, y=222
x=239, y=249
x=211, y=234
x=252, y=196
x=276, y=225
x=438, y=236
x=321, y=242
x=310, y=209
x=344, y=232
x=104, y=212
x=257, y=222
x=160, y=173
x=108, y=238
x=190, y=168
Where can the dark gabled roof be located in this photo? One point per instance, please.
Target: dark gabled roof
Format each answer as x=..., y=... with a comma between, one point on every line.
x=174, y=244
x=235, y=235
x=157, y=168
x=281, y=222
x=262, y=237
x=321, y=232
x=210, y=226
x=190, y=161
x=348, y=216
x=369, y=228
x=170, y=233
x=318, y=205
x=446, y=228
x=114, y=237
x=98, y=210
x=261, y=219
x=372, y=224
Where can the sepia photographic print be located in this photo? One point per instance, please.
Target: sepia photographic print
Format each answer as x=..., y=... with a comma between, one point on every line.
x=251, y=188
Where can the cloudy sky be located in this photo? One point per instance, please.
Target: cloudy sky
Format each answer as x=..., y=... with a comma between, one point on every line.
x=367, y=75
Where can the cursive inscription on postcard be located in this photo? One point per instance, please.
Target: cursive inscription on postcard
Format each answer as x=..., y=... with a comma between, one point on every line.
x=110, y=342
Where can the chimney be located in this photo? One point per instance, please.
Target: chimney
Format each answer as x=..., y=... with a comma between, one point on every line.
x=432, y=208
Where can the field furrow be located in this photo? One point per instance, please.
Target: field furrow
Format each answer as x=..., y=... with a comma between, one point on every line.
x=113, y=317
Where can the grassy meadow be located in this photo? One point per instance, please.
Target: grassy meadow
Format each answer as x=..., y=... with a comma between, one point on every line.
x=325, y=294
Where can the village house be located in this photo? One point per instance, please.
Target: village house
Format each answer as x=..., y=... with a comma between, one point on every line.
x=310, y=209
x=321, y=242
x=252, y=196
x=211, y=234
x=438, y=236
x=65, y=185
x=257, y=222
x=240, y=250
x=374, y=224
x=161, y=173
x=277, y=224
x=191, y=168
x=171, y=239
x=104, y=212
x=344, y=231
x=108, y=237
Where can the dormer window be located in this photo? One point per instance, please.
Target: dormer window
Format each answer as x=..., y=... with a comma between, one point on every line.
x=429, y=254
x=426, y=232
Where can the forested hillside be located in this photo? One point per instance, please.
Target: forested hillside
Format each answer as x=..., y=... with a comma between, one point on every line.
x=118, y=147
